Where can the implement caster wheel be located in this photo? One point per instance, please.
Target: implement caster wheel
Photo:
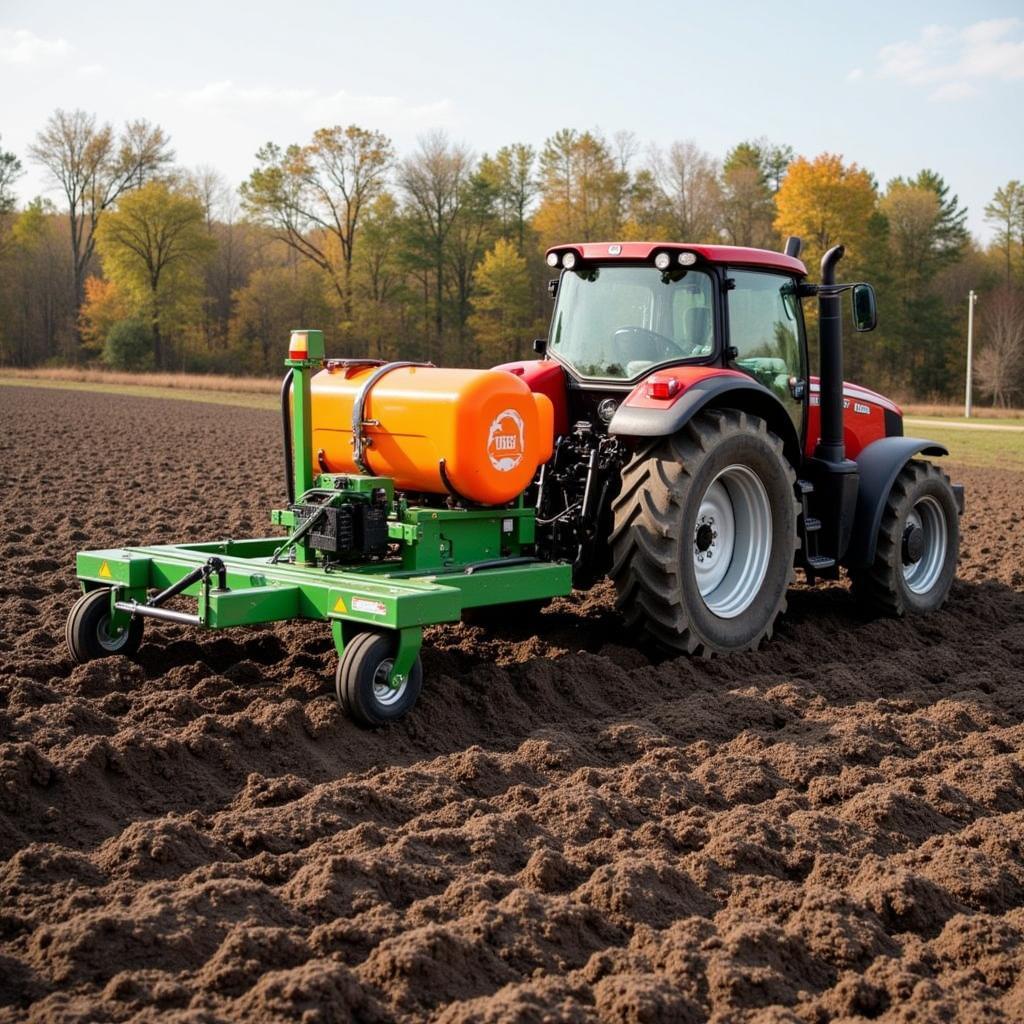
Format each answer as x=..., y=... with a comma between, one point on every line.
x=362, y=681
x=88, y=633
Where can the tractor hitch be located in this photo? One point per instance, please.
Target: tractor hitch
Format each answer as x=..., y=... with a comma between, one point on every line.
x=152, y=608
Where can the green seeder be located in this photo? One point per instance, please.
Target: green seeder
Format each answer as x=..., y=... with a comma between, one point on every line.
x=419, y=564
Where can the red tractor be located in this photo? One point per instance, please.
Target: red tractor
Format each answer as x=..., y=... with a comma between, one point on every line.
x=699, y=463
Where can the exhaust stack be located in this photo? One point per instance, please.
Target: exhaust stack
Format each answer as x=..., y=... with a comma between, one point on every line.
x=830, y=447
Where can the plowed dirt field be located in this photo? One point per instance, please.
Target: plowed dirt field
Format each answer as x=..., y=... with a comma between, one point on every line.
x=566, y=828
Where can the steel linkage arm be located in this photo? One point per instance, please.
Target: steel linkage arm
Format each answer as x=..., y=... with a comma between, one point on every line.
x=152, y=608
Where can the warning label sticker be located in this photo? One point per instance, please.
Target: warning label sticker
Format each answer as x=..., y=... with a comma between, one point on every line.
x=363, y=604
x=105, y=571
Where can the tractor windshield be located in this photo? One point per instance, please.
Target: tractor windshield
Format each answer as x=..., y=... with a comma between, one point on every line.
x=617, y=322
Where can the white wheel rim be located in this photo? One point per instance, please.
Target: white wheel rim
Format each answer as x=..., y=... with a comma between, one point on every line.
x=110, y=641
x=927, y=516
x=732, y=541
x=382, y=691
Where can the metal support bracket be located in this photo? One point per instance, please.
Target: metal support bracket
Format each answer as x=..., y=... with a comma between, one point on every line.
x=409, y=642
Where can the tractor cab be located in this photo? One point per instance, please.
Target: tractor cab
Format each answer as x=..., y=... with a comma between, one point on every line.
x=625, y=311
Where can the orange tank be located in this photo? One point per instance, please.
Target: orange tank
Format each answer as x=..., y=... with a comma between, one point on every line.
x=482, y=429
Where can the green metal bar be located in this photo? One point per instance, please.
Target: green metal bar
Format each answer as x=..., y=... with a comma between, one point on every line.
x=338, y=632
x=305, y=356
x=409, y=643
x=302, y=427
x=509, y=586
x=367, y=595
x=256, y=547
x=119, y=620
x=243, y=606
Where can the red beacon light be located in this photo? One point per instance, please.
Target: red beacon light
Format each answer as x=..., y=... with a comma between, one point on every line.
x=664, y=388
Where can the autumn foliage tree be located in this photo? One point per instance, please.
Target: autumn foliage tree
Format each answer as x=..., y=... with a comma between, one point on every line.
x=314, y=197
x=501, y=303
x=746, y=206
x=153, y=247
x=582, y=189
x=1006, y=214
x=106, y=304
x=825, y=202
x=93, y=166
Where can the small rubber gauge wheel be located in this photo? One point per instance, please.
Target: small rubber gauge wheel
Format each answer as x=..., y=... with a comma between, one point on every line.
x=88, y=632
x=364, y=692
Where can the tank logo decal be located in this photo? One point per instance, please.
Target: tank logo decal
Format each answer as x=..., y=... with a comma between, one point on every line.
x=506, y=441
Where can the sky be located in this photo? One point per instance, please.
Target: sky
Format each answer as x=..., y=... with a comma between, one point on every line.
x=894, y=86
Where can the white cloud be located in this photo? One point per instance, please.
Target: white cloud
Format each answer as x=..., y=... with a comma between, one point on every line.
x=855, y=75
x=951, y=61
x=226, y=95
x=20, y=46
x=955, y=91
x=91, y=70
x=312, y=106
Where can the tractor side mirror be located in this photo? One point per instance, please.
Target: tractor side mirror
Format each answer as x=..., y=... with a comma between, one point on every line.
x=540, y=346
x=553, y=287
x=865, y=309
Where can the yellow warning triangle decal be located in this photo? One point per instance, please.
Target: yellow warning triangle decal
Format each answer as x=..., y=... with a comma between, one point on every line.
x=105, y=571
x=339, y=605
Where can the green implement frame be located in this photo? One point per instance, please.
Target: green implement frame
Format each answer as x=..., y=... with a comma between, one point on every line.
x=442, y=560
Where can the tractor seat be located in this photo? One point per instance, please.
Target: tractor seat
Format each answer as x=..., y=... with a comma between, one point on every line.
x=697, y=327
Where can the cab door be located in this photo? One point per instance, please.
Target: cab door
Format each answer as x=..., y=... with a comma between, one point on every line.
x=766, y=335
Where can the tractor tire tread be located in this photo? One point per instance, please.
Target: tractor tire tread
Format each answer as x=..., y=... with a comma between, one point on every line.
x=876, y=587
x=645, y=543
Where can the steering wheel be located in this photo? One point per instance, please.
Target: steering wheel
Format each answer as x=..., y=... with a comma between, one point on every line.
x=640, y=343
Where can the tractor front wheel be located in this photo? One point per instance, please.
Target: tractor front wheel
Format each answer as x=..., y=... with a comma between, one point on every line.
x=704, y=535
x=918, y=545
x=88, y=632
x=361, y=680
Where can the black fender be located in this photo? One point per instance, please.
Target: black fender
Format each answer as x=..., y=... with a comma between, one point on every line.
x=724, y=391
x=878, y=465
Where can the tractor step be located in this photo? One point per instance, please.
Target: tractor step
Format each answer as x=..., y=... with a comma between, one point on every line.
x=814, y=563
x=818, y=563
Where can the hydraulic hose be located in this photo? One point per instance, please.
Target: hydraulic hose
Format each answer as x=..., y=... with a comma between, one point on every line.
x=286, y=419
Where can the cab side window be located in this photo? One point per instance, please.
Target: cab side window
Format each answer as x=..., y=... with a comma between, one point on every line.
x=766, y=329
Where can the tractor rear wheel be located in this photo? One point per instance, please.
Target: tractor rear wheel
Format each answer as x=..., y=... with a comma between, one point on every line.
x=362, y=684
x=88, y=634
x=705, y=534
x=918, y=545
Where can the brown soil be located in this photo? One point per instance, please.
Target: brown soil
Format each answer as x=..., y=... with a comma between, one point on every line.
x=564, y=830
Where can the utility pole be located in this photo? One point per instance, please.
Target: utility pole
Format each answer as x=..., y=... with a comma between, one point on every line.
x=972, y=298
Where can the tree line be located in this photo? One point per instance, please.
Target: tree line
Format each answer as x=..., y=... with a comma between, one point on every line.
x=134, y=261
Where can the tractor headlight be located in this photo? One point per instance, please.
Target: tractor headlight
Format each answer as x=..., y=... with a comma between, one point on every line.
x=662, y=260
x=687, y=259
x=552, y=259
x=569, y=260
